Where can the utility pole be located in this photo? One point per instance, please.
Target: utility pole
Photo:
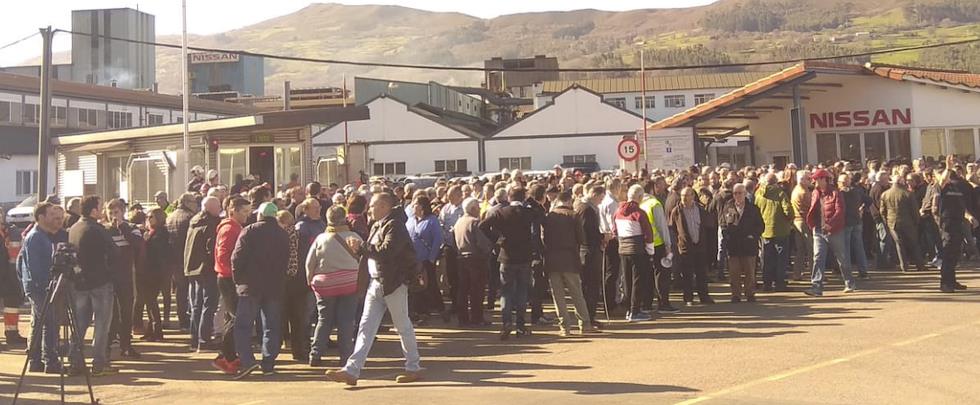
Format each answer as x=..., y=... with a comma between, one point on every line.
x=643, y=105
x=186, y=91
x=44, y=127
x=346, y=138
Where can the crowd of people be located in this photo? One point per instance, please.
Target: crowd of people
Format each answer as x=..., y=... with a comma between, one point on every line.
x=302, y=264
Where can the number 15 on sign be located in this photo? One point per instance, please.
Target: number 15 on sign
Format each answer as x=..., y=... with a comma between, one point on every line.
x=629, y=149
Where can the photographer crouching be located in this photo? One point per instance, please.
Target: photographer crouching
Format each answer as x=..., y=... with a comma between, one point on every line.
x=35, y=266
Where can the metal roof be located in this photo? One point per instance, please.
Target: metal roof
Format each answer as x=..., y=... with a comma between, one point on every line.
x=91, y=92
x=659, y=82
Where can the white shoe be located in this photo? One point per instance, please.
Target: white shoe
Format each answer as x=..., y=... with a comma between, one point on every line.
x=848, y=290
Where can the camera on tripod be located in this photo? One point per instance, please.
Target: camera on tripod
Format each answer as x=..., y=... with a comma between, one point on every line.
x=64, y=261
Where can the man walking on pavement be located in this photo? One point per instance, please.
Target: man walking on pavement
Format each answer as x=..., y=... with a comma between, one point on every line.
x=826, y=218
x=900, y=213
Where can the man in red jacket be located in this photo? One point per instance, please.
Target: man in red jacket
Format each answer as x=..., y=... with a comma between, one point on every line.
x=826, y=218
x=237, y=211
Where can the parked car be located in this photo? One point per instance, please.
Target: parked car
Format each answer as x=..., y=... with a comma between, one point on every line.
x=584, y=167
x=17, y=220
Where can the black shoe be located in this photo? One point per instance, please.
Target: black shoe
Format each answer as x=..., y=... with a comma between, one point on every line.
x=76, y=371
x=813, y=293
x=331, y=344
x=247, y=371
x=523, y=332
x=129, y=353
x=750, y=298
x=210, y=346
x=707, y=301
x=35, y=367
x=301, y=359
x=316, y=362
x=505, y=333
x=667, y=309
x=958, y=286
x=53, y=369
x=269, y=373
x=736, y=300
x=947, y=289
x=863, y=276
x=15, y=339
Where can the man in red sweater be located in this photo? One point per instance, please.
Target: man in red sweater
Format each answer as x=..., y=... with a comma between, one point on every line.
x=826, y=218
x=237, y=210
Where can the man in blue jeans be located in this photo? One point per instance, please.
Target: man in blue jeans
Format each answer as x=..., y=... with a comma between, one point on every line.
x=855, y=200
x=826, y=218
x=258, y=265
x=512, y=222
x=34, y=265
x=93, y=292
x=199, y=269
x=391, y=266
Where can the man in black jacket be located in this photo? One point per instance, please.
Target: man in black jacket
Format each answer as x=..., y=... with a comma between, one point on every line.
x=538, y=292
x=178, y=222
x=199, y=270
x=259, y=268
x=591, y=251
x=512, y=223
x=954, y=200
x=391, y=266
x=741, y=227
x=93, y=292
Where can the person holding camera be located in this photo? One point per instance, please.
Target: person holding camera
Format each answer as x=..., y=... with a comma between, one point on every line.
x=35, y=266
x=130, y=245
x=94, y=294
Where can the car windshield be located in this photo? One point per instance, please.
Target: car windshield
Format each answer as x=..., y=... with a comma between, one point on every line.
x=29, y=202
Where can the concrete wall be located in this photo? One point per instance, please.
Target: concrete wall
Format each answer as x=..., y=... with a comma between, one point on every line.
x=547, y=152
x=100, y=61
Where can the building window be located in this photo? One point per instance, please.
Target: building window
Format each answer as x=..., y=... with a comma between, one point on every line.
x=572, y=159
x=703, y=98
x=900, y=143
x=32, y=113
x=513, y=163
x=120, y=119
x=389, y=169
x=59, y=115
x=649, y=102
x=88, y=117
x=933, y=143
x=26, y=182
x=5, y=111
x=675, y=101
x=617, y=101
x=961, y=142
x=154, y=119
x=860, y=147
x=453, y=166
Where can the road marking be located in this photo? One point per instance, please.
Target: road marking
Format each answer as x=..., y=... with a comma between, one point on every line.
x=827, y=363
x=253, y=402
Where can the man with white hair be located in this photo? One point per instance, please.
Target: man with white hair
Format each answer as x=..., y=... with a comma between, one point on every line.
x=197, y=179
x=633, y=231
x=199, y=270
x=800, y=201
x=741, y=226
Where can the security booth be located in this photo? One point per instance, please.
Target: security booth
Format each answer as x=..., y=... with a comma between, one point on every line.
x=818, y=112
x=135, y=163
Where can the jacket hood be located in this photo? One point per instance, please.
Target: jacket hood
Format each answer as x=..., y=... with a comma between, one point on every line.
x=772, y=192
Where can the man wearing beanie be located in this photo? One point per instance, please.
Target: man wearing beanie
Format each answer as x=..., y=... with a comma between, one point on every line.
x=258, y=266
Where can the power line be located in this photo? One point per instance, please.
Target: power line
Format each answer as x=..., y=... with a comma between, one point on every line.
x=19, y=41
x=483, y=69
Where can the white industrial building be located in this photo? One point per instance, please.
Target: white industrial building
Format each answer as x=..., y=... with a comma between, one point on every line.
x=849, y=112
x=576, y=126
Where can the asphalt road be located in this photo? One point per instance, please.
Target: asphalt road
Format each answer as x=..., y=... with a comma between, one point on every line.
x=895, y=341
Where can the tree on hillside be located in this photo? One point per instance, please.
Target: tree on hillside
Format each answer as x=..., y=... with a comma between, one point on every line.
x=935, y=11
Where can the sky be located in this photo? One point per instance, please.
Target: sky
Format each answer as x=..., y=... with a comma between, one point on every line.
x=22, y=18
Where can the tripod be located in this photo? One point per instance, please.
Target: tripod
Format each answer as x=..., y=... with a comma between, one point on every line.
x=55, y=289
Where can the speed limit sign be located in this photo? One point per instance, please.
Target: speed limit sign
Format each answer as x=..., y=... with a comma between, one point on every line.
x=629, y=149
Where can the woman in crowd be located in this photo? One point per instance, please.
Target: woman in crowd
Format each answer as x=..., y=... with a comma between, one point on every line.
x=332, y=271
x=357, y=215
x=154, y=278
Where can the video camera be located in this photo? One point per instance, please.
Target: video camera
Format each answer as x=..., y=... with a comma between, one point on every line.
x=64, y=261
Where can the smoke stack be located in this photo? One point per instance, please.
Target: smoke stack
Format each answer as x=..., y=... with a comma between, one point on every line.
x=285, y=95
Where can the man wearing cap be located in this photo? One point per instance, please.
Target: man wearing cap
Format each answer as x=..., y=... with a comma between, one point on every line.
x=900, y=213
x=826, y=217
x=259, y=264
x=197, y=179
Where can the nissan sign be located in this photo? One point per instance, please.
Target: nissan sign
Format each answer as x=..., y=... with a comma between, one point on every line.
x=213, y=57
x=864, y=118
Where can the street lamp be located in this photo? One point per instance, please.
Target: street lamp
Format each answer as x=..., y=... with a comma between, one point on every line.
x=643, y=105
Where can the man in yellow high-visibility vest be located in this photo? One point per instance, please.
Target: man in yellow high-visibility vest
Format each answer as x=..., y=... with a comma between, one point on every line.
x=660, y=248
